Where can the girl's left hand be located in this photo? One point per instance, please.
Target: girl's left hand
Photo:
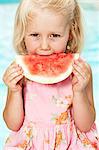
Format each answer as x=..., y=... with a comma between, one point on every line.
x=82, y=75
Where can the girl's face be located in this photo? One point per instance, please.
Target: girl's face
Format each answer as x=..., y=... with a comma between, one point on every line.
x=47, y=33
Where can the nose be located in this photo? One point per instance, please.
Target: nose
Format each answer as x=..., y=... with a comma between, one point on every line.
x=44, y=48
x=44, y=44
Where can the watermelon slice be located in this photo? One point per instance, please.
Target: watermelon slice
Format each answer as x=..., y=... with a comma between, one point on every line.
x=47, y=69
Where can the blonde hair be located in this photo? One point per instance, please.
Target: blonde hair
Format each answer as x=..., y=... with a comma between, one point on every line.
x=25, y=12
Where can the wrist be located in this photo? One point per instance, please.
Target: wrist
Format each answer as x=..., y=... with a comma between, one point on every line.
x=79, y=93
x=15, y=90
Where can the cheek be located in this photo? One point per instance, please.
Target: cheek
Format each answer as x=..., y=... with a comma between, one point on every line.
x=59, y=46
x=30, y=45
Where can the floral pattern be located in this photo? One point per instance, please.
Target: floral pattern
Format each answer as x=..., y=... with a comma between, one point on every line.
x=48, y=123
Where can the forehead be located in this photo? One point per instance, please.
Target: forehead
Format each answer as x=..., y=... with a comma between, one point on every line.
x=45, y=18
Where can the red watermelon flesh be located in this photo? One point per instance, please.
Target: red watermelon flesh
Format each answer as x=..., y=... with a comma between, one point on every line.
x=47, y=69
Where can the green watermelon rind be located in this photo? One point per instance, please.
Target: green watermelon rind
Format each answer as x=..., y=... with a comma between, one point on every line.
x=43, y=79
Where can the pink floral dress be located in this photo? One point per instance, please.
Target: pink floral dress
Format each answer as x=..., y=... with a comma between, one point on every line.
x=48, y=123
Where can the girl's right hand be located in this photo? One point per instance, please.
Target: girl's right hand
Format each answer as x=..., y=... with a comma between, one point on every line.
x=13, y=76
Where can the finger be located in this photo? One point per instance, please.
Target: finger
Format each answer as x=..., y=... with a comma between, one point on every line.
x=80, y=64
x=85, y=66
x=78, y=75
x=13, y=64
x=9, y=77
x=77, y=70
x=74, y=80
x=16, y=79
x=72, y=75
x=14, y=72
x=11, y=71
x=14, y=75
x=13, y=68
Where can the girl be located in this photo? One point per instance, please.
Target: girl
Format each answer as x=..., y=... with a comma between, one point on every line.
x=56, y=116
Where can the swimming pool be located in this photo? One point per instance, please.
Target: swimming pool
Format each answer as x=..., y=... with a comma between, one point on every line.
x=7, y=54
x=8, y=1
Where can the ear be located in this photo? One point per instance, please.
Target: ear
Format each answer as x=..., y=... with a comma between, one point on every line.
x=24, y=46
x=70, y=36
x=69, y=42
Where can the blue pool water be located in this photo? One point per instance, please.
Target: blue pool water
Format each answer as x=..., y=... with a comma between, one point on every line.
x=8, y=1
x=7, y=54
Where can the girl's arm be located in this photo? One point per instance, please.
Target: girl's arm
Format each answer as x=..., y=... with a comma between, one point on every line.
x=83, y=103
x=14, y=112
x=84, y=112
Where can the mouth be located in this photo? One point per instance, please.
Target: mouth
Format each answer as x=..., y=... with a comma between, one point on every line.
x=45, y=52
